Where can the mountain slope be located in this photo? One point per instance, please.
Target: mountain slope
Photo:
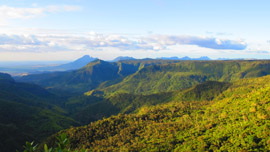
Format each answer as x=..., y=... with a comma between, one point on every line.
x=236, y=120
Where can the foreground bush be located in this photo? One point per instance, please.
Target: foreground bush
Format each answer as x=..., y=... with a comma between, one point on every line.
x=62, y=146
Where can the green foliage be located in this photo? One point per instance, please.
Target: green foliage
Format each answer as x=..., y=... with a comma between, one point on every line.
x=204, y=91
x=94, y=106
x=235, y=120
x=30, y=147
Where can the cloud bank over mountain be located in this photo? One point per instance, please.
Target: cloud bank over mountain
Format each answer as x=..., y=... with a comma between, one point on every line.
x=206, y=42
x=93, y=41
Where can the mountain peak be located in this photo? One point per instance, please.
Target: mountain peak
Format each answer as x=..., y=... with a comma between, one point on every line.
x=184, y=58
x=204, y=58
x=85, y=57
x=79, y=63
x=98, y=61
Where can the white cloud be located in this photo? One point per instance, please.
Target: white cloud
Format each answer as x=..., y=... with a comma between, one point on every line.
x=7, y=12
x=94, y=41
x=19, y=40
x=205, y=42
x=71, y=8
x=62, y=8
x=19, y=13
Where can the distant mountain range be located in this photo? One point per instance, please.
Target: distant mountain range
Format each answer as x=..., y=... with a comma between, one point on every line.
x=184, y=58
x=202, y=58
x=122, y=58
x=39, y=67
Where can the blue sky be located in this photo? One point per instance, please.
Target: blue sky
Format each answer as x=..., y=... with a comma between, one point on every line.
x=68, y=29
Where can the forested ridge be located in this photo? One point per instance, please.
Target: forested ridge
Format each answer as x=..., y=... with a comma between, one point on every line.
x=147, y=76
x=184, y=74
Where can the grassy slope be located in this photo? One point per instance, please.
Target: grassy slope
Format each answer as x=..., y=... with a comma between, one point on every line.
x=238, y=119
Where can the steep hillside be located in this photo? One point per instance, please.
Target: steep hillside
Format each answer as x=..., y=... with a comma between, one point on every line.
x=176, y=76
x=28, y=112
x=236, y=120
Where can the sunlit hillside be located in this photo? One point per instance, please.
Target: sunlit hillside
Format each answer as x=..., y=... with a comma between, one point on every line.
x=235, y=120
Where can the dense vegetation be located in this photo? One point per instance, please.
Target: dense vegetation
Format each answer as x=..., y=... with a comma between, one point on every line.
x=237, y=119
x=94, y=106
x=147, y=104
